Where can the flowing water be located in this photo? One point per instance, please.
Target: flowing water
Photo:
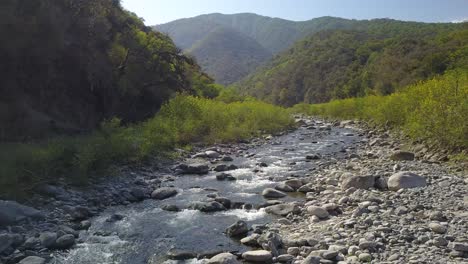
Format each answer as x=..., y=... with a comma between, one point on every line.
x=147, y=233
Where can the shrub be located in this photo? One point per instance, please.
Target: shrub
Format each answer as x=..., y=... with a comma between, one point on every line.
x=435, y=111
x=180, y=122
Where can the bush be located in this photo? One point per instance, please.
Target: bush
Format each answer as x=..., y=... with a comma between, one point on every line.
x=180, y=122
x=435, y=111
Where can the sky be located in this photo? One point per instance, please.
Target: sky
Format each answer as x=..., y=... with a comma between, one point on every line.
x=162, y=11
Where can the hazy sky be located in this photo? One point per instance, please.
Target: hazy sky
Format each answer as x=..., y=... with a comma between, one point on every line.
x=162, y=11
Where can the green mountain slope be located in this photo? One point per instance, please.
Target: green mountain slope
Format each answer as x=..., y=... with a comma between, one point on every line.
x=271, y=34
x=228, y=55
x=68, y=65
x=378, y=59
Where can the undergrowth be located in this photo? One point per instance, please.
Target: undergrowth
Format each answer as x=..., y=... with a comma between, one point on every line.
x=180, y=122
x=435, y=111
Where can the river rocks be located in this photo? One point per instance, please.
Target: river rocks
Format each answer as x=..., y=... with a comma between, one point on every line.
x=358, y=182
x=283, y=209
x=402, y=155
x=163, y=193
x=176, y=254
x=284, y=188
x=65, y=242
x=224, y=201
x=438, y=228
x=405, y=180
x=285, y=258
x=295, y=184
x=192, y=168
x=311, y=260
x=313, y=157
x=224, y=167
x=258, y=256
x=459, y=247
x=32, y=260
x=317, y=211
x=225, y=176
x=207, y=207
x=13, y=212
x=48, y=239
x=6, y=240
x=365, y=257
x=79, y=213
x=223, y=258
x=138, y=193
x=239, y=228
x=272, y=193
x=251, y=240
x=212, y=154
x=170, y=208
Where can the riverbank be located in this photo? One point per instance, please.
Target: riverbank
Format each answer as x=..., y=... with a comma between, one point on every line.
x=168, y=214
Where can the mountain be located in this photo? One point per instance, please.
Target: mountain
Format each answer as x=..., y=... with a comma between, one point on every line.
x=68, y=65
x=228, y=55
x=272, y=35
x=378, y=57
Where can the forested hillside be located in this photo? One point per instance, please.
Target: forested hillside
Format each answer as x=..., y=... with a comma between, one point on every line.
x=68, y=65
x=271, y=35
x=380, y=59
x=228, y=55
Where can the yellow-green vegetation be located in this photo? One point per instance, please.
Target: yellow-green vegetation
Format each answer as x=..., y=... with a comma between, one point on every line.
x=435, y=111
x=180, y=122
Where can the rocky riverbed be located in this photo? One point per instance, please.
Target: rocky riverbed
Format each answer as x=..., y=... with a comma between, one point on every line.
x=324, y=193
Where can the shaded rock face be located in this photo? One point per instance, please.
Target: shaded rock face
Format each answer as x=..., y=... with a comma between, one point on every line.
x=405, y=180
x=13, y=212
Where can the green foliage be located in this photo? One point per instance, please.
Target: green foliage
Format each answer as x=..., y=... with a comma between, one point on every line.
x=228, y=55
x=68, y=65
x=180, y=122
x=433, y=111
x=379, y=58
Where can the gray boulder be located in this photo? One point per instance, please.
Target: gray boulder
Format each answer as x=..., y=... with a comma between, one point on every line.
x=212, y=154
x=32, y=260
x=318, y=211
x=65, y=242
x=402, y=155
x=283, y=209
x=405, y=180
x=223, y=258
x=284, y=188
x=358, y=182
x=272, y=193
x=311, y=260
x=239, y=228
x=12, y=212
x=224, y=167
x=192, y=168
x=295, y=184
x=258, y=256
x=163, y=193
x=48, y=239
x=6, y=241
x=207, y=207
